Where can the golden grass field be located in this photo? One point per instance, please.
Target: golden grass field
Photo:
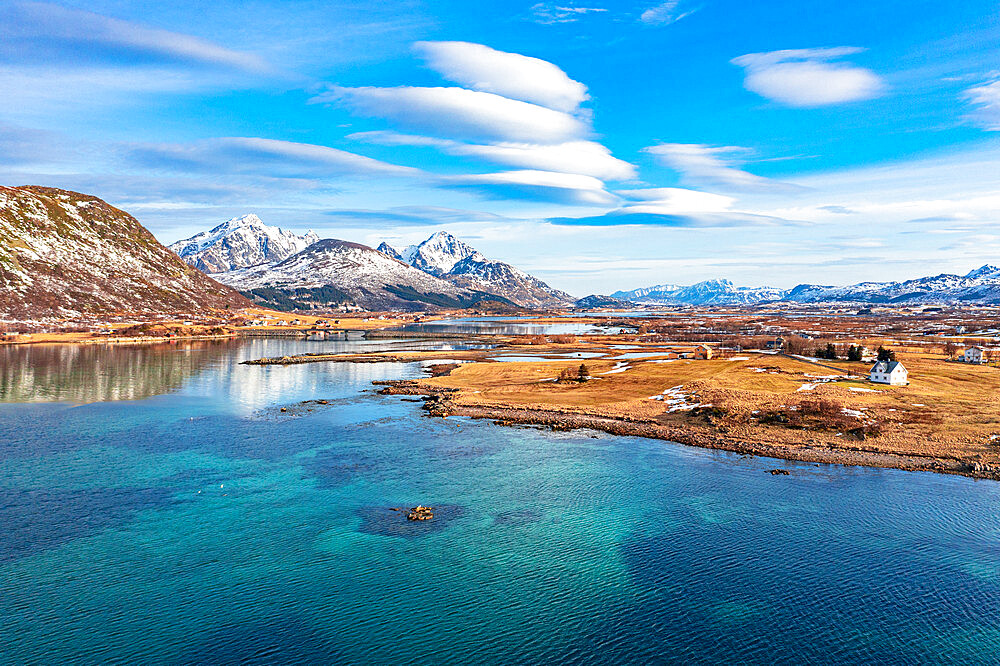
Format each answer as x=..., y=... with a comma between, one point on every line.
x=949, y=410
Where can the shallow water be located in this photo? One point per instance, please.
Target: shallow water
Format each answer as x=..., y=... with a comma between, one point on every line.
x=175, y=514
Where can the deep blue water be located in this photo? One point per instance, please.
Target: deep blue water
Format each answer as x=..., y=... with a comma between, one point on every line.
x=194, y=522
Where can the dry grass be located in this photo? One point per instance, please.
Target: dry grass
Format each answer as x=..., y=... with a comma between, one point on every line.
x=949, y=410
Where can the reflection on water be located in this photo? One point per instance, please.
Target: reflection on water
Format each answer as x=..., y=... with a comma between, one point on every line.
x=85, y=373
x=187, y=528
x=102, y=372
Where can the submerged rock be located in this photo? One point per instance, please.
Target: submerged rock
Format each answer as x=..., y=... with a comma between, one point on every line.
x=779, y=472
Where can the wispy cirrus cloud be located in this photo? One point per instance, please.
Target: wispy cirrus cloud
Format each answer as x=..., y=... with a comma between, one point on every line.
x=676, y=207
x=32, y=26
x=412, y=216
x=986, y=97
x=512, y=75
x=549, y=13
x=665, y=13
x=546, y=186
x=259, y=155
x=713, y=166
x=809, y=77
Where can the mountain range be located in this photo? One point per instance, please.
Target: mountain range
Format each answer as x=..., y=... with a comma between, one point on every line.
x=281, y=269
x=334, y=272
x=63, y=253
x=447, y=257
x=981, y=285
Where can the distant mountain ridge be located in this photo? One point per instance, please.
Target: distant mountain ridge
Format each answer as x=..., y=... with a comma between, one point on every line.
x=64, y=253
x=449, y=258
x=240, y=242
x=981, y=285
x=709, y=292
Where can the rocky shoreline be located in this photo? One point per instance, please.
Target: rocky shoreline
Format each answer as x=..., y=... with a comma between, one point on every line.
x=439, y=402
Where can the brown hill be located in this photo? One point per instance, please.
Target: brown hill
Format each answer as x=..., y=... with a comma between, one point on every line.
x=64, y=253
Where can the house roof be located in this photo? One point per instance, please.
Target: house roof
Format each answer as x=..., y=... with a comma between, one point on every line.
x=887, y=367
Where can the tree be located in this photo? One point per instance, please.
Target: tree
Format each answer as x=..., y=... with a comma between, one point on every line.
x=854, y=353
x=886, y=354
x=950, y=348
x=584, y=373
x=831, y=351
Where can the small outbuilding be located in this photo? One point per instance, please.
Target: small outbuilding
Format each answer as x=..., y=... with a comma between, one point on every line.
x=703, y=352
x=889, y=372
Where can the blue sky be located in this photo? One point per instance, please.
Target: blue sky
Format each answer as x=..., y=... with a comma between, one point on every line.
x=598, y=145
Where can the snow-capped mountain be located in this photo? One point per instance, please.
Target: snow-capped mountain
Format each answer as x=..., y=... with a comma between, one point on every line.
x=496, y=277
x=63, y=253
x=240, y=243
x=981, y=285
x=447, y=257
x=595, y=301
x=436, y=255
x=331, y=272
x=389, y=251
x=709, y=292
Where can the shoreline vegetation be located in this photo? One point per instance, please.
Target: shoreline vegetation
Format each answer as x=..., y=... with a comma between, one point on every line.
x=795, y=397
x=752, y=402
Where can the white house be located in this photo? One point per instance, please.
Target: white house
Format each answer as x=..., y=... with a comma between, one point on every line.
x=974, y=355
x=889, y=372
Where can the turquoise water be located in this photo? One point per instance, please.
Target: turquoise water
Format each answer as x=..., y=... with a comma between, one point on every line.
x=194, y=522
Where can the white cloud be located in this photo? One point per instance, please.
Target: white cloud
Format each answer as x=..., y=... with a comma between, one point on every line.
x=33, y=20
x=548, y=13
x=676, y=200
x=259, y=155
x=457, y=112
x=664, y=13
x=509, y=74
x=807, y=78
x=564, y=188
x=676, y=207
x=987, y=98
x=712, y=166
x=586, y=158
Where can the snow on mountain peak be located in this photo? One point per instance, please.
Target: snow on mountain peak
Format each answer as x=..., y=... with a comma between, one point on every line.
x=438, y=254
x=445, y=256
x=987, y=271
x=240, y=242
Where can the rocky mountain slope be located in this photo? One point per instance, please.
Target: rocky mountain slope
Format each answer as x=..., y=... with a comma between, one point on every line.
x=447, y=257
x=64, y=253
x=332, y=272
x=240, y=243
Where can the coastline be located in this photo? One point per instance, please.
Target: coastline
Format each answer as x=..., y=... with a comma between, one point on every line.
x=439, y=403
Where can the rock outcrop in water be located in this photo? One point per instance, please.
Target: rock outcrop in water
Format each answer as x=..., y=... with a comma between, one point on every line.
x=420, y=512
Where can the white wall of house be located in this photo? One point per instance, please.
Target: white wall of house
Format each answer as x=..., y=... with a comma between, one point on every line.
x=974, y=355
